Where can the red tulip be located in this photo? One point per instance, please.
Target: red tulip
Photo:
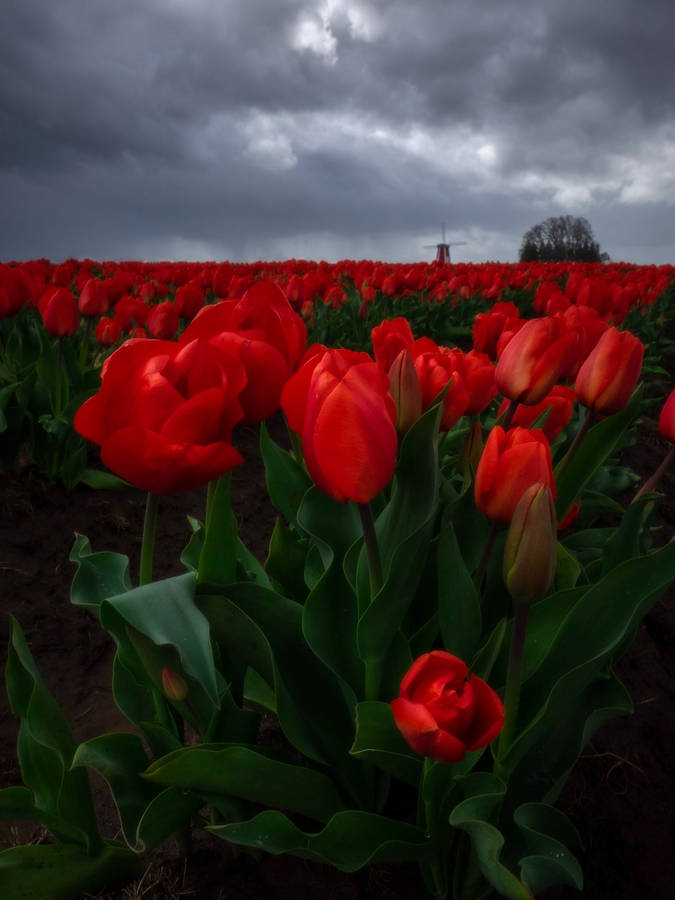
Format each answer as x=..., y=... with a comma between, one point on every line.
x=339, y=403
x=389, y=338
x=443, y=712
x=510, y=463
x=164, y=414
x=561, y=403
x=478, y=374
x=94, y=299
x=107, y=332
x=534, y=358
x=487, y=327
x=436, y=367
x=264, y=332
x=58, y=308
x=667, y=418
x=162, y=321
x=609, y=374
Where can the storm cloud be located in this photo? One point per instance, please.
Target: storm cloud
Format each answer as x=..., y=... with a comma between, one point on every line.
x=208, y=129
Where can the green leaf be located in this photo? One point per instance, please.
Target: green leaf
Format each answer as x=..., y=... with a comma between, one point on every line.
x=379, y=741
x=459, y=612
x=165, y=612
x=285, y=563
x=586, y=642
x=596, y=447
x=45, y=749
x=265, y=629
x=64, y=871
x=16, y=805
x=351, y=840
x=98, y=576
x=218, y=557
x=166, y=813
x=330, y=612
x=567, y=569
x=120, y=758
x=475, y=815
x=547, y=835
x=404, y=530
x=250, y=775
x=626, y=541
x=102, y=481
x=484, y=660
x=286, y=479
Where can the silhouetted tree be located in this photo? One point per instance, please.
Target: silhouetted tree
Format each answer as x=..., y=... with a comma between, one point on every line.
x=558, y=239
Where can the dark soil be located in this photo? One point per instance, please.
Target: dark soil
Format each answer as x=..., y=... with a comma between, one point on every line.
x=620, y=795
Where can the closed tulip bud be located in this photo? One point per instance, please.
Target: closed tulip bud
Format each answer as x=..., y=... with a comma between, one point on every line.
x=472, y=450
x=404, y=387
x=173, y=685
x=531, y=545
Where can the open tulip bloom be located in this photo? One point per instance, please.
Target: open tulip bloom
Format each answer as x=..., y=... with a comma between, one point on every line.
x=433, y=650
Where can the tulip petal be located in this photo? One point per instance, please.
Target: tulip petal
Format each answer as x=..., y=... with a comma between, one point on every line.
x=161, y=466
x=415, y=723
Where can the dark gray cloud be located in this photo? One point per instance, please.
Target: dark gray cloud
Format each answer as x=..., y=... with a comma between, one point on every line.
x=333, y=128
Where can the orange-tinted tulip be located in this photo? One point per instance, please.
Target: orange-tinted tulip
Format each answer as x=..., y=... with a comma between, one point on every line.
x=534, y=358
x=560, y=401
x=512, y=461
x=608, y=377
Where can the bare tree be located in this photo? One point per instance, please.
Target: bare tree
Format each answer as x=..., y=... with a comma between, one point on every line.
x=558, y=239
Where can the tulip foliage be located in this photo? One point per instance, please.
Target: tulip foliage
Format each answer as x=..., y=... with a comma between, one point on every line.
x=433, y=650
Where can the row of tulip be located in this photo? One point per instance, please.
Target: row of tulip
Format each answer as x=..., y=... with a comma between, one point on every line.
x=433, y=589
x=61, y=321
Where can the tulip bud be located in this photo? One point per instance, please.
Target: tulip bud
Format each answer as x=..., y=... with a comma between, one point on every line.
x=472, y=450
x=531, y=545
x=404, y=387
x=173, y=685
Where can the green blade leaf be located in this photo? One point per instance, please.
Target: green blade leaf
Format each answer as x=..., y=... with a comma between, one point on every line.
x=351, y=840
x=403, y=530
x=379, y=741
x=218, y=557
x=459, y=612
x=45, y=749
x=98, y=576
x=547, y=835
x=250, y=775
x=63, y=871
x=596, y=447
x=286, y=479
x=165, y=612
x=475, y=815
x=120, y=758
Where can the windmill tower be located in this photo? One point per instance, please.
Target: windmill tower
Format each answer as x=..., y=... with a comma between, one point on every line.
x=443, y=249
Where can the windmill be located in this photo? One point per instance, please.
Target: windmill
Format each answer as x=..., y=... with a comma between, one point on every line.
x=443, y=249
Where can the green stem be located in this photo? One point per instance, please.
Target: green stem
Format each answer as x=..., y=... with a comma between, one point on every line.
x=148, y=541
x=509, y=414
x=58, y=397
x=482, y=565
x=373, y=667
x=210, y=494
x=372, y=549
x=513, y=682
x=576, y=443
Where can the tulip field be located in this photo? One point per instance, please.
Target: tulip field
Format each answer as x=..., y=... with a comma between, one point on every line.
x=337, y=580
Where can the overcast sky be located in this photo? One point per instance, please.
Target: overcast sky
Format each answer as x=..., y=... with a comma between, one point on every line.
x=226, y=129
